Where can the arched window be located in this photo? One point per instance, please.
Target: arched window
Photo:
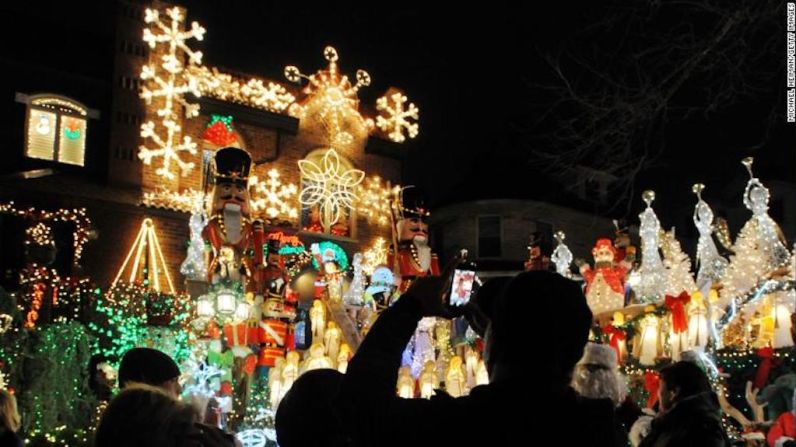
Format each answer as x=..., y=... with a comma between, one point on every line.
x=56, y=129
x=326, y=206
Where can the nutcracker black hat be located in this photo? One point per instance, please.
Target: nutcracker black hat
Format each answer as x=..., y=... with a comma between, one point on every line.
x=411, y=203
x=232, y=164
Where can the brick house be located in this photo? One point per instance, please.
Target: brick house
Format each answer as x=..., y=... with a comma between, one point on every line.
x=97, y=92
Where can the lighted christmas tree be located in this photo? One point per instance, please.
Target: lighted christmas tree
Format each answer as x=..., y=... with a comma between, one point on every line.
x=759, y=249
x=677, y=266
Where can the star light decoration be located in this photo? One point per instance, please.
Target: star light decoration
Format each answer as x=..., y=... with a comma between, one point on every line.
x=329, y=186
x=170, y=81
x=273, y=197
x=395, y=117
x=332, y=96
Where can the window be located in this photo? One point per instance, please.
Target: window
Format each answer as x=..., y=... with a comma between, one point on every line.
x=56, y=130
x=489, y=236
x=330, y=217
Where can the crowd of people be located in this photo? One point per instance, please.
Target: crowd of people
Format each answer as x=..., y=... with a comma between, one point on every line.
x=562, y=391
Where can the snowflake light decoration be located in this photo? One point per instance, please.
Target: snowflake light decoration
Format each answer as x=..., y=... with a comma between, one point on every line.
x=171, y=82
x=374, y=200
x=273, y=197
x=395, y=118
x=334, y=96
x=329, y=186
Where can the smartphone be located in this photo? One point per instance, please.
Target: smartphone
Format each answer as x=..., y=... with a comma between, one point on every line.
x=462, y=282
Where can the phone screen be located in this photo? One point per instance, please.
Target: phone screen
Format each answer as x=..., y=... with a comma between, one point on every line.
x=461, y=287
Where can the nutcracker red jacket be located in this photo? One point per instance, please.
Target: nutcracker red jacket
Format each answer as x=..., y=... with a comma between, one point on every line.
x=499, y=414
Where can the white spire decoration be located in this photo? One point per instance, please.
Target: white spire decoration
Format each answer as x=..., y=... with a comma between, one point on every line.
x=710, y=263
x=562, y=256
x=651, y=284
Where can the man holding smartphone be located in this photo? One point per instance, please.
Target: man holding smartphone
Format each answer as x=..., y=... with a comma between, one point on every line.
x=528, y=396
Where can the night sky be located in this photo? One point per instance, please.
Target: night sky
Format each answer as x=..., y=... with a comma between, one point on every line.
x=473, y=72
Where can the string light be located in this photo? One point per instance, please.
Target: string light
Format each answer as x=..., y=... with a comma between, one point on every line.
x=395, y=118
x=148, y=260
x=171, y=82
x=185, y=201
x=75, y=216
x=251, y=92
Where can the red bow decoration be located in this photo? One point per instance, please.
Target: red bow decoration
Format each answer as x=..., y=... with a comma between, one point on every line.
x=616, y=335
x=652, y=382
x=677, y=306
x=767, y=361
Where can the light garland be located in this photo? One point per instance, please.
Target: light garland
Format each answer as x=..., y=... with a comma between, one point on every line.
x=171, y=82
x=76, y=216
x=250, y=92
x=185, y=201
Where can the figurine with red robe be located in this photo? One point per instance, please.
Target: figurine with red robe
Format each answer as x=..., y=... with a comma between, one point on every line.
x=413, y=257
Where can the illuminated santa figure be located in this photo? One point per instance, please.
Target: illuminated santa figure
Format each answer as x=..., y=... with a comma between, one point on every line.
x=605, y=290
x=414, y=257
x=235, y=241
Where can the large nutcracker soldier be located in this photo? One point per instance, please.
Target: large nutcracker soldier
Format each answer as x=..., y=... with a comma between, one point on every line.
x=236, y=243
x=413, y=257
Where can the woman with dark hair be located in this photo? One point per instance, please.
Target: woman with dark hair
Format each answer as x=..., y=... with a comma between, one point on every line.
x=689, y=410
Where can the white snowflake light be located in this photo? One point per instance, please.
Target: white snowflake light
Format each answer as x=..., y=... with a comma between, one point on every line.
x=395, y=118
x=374, y=200
x=273, y=197
x=329, y=186
x=170, y=83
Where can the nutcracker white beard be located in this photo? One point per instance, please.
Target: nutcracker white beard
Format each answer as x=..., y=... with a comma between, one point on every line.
x=232, y=222
x=423, y=252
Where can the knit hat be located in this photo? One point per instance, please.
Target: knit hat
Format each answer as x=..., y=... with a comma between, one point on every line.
x=145, y=365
